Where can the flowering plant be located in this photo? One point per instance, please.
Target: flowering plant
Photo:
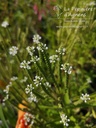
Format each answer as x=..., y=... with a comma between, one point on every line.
x=43, y=85
x=49, y=99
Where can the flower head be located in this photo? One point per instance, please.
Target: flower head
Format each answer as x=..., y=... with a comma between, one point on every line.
x=4, y=24
x=25, y=120
x=30, y=50
x=64, y=119
x=36, y=38
x=14, y=78
x=53, y=58
x=47, y=84
x=32, y=98
x=92, y=3
x=25, y=64
x=13, y=50
x=34, y=59
x=29, y=118
x=6, y=90
x=29, y=88
x=89, y=80
x=6, y=98
x=37, y=80
x=24, y=79
x=61, y=51
x=85, y=97
x=41, y=47
x=66, y=67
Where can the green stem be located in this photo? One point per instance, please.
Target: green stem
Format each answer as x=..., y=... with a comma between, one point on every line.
x=60, y=77
x=49, y=67
x=66, y=96
x=43, y=73
x=18, y=60
x=9, y=34
x=2, y=117
x=41, y=70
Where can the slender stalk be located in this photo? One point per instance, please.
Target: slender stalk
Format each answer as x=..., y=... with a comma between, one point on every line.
x=49, y=68
x=60, y=76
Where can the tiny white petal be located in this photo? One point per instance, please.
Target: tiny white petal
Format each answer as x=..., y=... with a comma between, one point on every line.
x=4, y=24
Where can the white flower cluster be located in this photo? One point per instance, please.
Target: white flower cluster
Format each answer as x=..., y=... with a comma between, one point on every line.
x=41, y=47
x=25, y=64
x=89, y=80
x=4, y=24
x=92, y=3
x=85, y=97
x=66, y=67
x=53, y=58
x=34, y=59
x=30, y=50
x=32, y=97
x=6, y=90
x=36, y=39
x=38, y=80
x=29, y=119
x=13, y=50
x=47, y=85
x=24, y=80
x=14, y=78
x=61, y=51
x=64, y=119
x=29, y=88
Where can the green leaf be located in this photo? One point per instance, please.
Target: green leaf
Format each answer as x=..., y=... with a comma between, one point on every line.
x=2, y=117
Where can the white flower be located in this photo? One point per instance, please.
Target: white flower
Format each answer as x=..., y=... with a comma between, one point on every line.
x=34, y=59
x=32, y=98
x=85, y=97
x=13, y=50
x=24, y=80
x=64, y=119
x=36, y=38
x=29, y=118
x=29, y=88
x=89, y=80
x=30, y=50
x=53, y=58
x=61, y=51
x=38, y=80
x=47, y=84
x=25, y=64
x=4, y=24
x=6, y=98
x=6, y=90
x=66, y=67
x=92, y=3
x=14, y=78
x=41, y=47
